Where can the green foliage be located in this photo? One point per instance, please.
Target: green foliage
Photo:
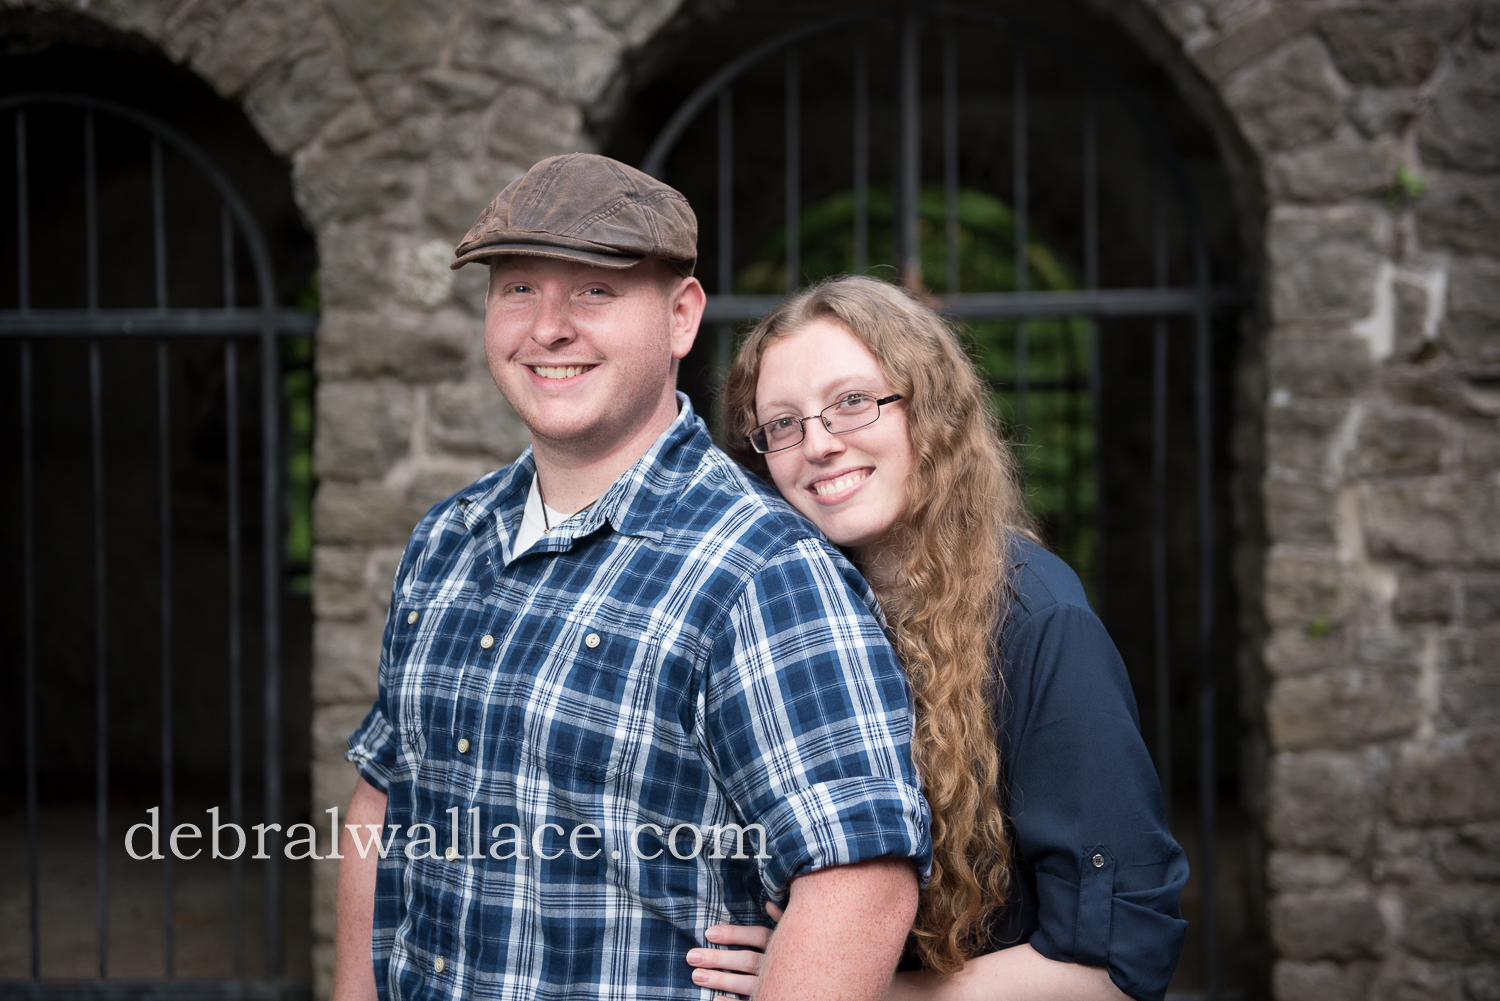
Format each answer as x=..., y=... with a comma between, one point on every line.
x=1405, y=189
x=297, y=394
x=1057, y=443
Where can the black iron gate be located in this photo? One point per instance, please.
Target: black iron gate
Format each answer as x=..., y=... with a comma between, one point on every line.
x=878, y=56
x=249, y=336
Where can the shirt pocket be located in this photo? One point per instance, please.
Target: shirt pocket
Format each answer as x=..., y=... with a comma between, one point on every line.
x=585, y=716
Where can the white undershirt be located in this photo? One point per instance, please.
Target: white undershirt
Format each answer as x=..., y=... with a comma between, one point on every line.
x=532, y=525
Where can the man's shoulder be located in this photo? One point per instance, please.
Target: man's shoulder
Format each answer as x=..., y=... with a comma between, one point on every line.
x=725, y=500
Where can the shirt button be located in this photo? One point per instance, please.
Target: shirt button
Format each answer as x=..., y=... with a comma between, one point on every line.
x=463, y=745
x=591, y=640
x=411, y=618
x=438, y=964
x=1098, y=861
x=451, y=853
x=486, y=641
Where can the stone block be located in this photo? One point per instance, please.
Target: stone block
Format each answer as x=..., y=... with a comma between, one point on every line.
x=1460, y=212
x=1294, y=650
x=1342, y=707
x=1384, y=45
x=1470, y=689
x=1299, y=513
x=396, y=35
x=1410, y=334
x=561, y=48
x=1300, y=434
x=472, y=417
x=1303, y=871
x=338, y=577
x=354, y=514
x=1417, y=520
x=249, y=38
x=331, y=727
x=346, y=662
x=1471, y=853
x=1458, y=130
x=457, y=190
x=420, y=275
x=1403, y=443
x=1310, y=982
x=524, y=125
x=1456, y=780
x=1416, y=980
x=1290, y=98
x=1453, y=924
x=1335, y=171
x=1384, y=112
x=1481, y=598
x=1320, y=801
x=1326, y=926
x=1471, y=327
x=1324, y=263
x=1247, y=41
x=419, y=347
x=1426, y=597
x=372, y=177
x=298, y=96
x=363, y=428
x=1312, y=365
x=1301, y=588
x=1481, y=518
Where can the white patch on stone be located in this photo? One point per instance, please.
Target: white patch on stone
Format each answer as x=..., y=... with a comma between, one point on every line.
x=1280, y=397
x=1436, y=281
x=1379, y=328
x=1428, y=686
x=421, y=275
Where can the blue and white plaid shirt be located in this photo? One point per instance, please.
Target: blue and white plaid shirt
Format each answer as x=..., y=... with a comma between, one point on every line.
x=688, y=654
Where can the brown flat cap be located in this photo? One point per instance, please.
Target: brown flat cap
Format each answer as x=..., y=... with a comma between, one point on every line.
x=589, y=208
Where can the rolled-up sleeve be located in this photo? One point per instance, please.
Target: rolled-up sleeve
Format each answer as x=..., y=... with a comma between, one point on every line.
x=1086, y=805
x=808, y=721
x=373, y=745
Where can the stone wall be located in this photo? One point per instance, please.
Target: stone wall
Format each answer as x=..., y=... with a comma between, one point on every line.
x=401, y=120
x=1368, y=144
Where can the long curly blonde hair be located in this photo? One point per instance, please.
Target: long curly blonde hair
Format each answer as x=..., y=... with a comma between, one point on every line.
x=946, y=607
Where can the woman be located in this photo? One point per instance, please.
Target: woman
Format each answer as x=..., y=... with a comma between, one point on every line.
x=1054, y=874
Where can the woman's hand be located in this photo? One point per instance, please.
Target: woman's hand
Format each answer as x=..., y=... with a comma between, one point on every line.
x=732, y=971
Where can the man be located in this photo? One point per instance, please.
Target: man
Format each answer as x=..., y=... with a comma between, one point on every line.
x=624, y=689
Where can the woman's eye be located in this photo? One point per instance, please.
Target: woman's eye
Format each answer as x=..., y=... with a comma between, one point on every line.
x=853, y=400
x=783, y=423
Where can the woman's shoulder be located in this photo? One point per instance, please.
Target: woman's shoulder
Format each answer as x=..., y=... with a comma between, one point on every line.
x=1039, y=580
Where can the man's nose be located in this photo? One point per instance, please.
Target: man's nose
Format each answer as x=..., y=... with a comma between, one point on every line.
x=818, y=443
x=552, y=326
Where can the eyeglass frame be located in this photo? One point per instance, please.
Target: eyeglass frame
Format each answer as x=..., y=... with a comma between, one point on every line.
x=802, y=423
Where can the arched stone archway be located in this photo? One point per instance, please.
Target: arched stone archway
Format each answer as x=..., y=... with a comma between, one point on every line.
x=1362, y=140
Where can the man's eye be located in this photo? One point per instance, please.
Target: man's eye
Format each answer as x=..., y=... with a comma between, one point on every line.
x=520, y=288
x=595, y=291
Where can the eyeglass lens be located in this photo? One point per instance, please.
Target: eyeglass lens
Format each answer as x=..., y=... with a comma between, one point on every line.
x=848, y=414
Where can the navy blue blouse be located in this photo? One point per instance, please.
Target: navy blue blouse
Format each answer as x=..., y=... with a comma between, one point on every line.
x=1098, y=874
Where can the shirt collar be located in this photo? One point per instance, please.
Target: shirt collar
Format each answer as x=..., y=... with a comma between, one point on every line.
x=638, y=503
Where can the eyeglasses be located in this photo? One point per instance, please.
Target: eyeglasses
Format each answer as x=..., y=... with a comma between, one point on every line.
x=850, y=413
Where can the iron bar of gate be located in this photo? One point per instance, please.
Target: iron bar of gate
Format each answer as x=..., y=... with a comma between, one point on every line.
x=159, y=242
x=270, y=404
x=101, y=666
x=236, y=755
x=1207, y=769
x=862, y=151
x=138, y=322
x=91, y=210
x=793, y=169
x=1091, y=282
x=909, y=153
x=726, y=220
x=28, y=583
x=950, y=152
x=1159, y=510
x=1019, y=208
x=1104, y=302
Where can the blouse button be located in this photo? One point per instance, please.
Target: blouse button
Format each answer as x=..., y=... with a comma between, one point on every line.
x=411, y=618
x=463, y=745
x=591, y=640
x=451, y=853
x=1098, y=861
x=486, y=641
x=438, y=964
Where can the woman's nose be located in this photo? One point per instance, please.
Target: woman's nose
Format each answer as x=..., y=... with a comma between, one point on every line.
x=818, y=443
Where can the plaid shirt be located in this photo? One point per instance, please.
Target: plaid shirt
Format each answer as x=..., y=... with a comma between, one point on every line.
x=689, y=651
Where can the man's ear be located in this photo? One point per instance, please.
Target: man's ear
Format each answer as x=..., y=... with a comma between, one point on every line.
x=686, y=305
